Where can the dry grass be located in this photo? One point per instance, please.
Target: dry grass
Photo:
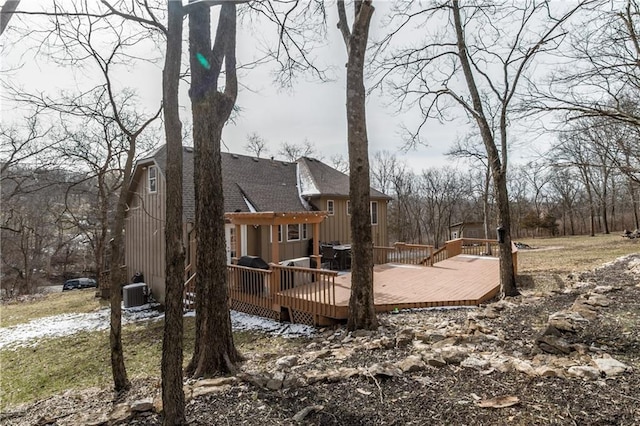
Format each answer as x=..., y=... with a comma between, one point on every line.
x=82, y=360
x=78, y=301
x=553, y=259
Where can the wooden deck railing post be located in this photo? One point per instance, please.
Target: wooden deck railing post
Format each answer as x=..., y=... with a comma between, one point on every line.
x=454, y=247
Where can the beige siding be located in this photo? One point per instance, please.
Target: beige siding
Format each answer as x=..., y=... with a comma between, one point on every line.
x=338, y=226
x=286, y=249
x=144, y=231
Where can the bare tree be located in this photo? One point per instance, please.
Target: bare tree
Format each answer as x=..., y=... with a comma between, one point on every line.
x=256, y=145
x=72, y=39
x=172, y=340
x=8, y=9
x=600, y=67
x=340, y=163
x=362, y=314
x=472, y=150
x=214, y=347
x=487, y=48
x=292, y=152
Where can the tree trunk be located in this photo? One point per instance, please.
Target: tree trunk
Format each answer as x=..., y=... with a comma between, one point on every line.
x=117, y=277
x=362, y=313
x=172, y=355
x=215, y=350
x=507, y=273
x=498, y=167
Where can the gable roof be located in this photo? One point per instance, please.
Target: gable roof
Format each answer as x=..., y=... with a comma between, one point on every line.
x=253, y=184
x=249, y=184
x=317, y=178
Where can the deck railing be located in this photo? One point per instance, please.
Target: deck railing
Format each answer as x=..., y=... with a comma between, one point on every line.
x=251, y=285
x=410, y=254
x=305, y=289
x=480, y=247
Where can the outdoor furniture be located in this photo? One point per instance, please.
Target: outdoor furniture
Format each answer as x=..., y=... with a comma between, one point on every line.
x=343, y=256
x=329, y=256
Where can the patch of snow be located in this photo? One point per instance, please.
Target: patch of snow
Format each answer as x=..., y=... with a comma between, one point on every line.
x=245, y=322
x=306, y=183
x=250, y=206
x=28, y=334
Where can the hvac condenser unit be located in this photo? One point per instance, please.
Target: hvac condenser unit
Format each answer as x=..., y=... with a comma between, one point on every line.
x=134, y=295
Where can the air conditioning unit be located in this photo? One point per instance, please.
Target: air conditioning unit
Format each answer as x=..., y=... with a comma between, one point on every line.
x=301, y=262
x=134, y=295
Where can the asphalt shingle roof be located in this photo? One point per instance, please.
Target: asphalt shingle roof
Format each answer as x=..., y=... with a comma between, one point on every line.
x=268, y=185
x=329, y=181
x=262, y=184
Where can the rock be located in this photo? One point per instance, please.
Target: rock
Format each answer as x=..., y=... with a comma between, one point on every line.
x=342, y=353
x=208, y=390
x=287, y=362
x=404, y=337
x=217, y=381
x=293, y=381
x=603, y=289
x=102, y=421
x=341, y=373
x=276, y=381
x=363, y=333
x=347, y=339
x=523, y=367
x=449, y=341
x=567, y=321
x=611, y=367
x=595, y=299
x=120, y=413
x=476, y=363
x=434, y=361
x=384, y=369
x=142, y=405
x=553, y=345
x=314, y=376
x=411, y=364
x=551, y=331
x=584, y=309
x=546, y=371
x=584, y=371
x=453, y=355
x=300, y=415
x=157, y=404
x=501, y=363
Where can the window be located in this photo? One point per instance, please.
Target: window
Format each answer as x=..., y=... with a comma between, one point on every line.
x=279, y=234
x=330, y=207
x=374, y=212
x=153, y=179
x=293, y=232
x=305, y=231
x=348, y=208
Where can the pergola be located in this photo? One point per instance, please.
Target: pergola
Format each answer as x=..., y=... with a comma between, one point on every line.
x=314, y=218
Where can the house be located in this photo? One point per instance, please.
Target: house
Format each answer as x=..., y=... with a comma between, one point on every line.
x=470, y=230
x=259, y=186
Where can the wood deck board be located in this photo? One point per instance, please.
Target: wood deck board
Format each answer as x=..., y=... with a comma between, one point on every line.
x=461, y=280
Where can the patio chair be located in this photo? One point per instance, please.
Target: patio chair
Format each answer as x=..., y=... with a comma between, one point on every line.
x=329, y=257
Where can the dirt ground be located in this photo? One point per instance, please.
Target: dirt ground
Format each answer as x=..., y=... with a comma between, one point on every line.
x=448, y=394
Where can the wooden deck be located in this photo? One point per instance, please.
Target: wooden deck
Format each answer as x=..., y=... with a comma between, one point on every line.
x=461, y=280
x=464, y=272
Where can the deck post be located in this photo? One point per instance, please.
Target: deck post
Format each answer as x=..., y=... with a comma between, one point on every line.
x=275, y=255
x=454, y=247
x=238, y=246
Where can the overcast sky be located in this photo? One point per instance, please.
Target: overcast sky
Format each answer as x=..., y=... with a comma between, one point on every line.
x=310, y=110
